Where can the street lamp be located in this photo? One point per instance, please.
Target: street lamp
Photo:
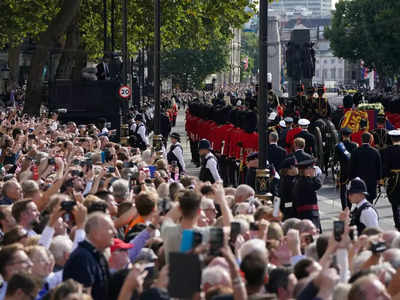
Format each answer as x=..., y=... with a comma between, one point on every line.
x=262, y=173
x=157, y=138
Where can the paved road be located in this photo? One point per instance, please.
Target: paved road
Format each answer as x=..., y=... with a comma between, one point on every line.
x=329, y=200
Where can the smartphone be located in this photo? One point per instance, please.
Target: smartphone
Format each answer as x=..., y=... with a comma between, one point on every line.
x=254, y=227
x=277, y=204
x=338, y=230
x=235, y=230
x=197, y=239
x=31, y=137
x=67, y=205
x=111, y=169
x=378, y=247
x=353, y=233
x=52, y=161
x=127, y=164
x=77, y=173
x=216, y=240
x=76, y=162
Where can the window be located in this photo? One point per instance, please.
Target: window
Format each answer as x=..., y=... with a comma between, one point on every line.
x=333, y=74
x=324, y=74
x=325, y=61
x=332, y=61
x=340, y=74
x=316, y=73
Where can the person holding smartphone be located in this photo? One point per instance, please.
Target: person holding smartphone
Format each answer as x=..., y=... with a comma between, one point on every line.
x=305, y=199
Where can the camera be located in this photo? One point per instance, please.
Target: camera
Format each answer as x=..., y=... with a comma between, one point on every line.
x=76, y=162
x=378, y=247
x=67, y=205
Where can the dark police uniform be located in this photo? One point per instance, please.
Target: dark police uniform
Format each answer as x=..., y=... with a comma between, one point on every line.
x=366, y=163
x=209, y=170
x=305, y=199
x=391, y=171
x=173, y=156
x=343, y=152
x=364, y=215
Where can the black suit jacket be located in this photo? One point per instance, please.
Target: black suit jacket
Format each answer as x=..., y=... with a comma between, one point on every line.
x=276, y=155
x=301, y=155
x=366, y=163
x=310, y=141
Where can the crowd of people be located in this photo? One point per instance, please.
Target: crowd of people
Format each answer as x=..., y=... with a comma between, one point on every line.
x=83, y=217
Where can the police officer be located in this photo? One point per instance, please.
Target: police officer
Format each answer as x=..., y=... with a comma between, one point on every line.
x=209, y=169
x=364, y=214
x=305, y=199
x=140, y=139
x=288, y=175
x=343, y=152
x=175, y=153
x=366, y=163
x=308, y=137
x=391, y=170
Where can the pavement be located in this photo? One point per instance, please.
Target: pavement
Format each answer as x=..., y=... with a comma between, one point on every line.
x=328, y=196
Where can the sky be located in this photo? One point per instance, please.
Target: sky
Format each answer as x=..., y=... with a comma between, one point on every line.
x=334, y=2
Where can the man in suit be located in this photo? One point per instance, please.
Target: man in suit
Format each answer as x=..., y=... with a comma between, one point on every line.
x=366, y=163
x=299, y=153
x=276, y=154
x=343, y=152
x=103, y=70
x=308, y=137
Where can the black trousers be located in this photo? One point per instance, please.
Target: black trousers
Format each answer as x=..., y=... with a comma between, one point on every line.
x=371, y=188
x=393, y=195
x=343, y=195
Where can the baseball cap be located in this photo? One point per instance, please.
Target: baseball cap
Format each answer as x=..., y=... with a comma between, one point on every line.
x=119, y=244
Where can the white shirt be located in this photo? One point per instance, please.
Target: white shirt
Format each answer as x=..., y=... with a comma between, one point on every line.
x=368, y=216
x=54, y=279
x=141, y=131
x=212, y=166
x=3, y=290
x=179, y=155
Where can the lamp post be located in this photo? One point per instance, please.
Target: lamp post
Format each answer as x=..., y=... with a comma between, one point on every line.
x=124, y=105
x=262, y=173
x=157, y=138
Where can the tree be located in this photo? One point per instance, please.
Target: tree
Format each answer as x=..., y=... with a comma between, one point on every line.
x=20, y=20
x=190, y=67
x=46, y=41
x=367, y=30
x=249, y=48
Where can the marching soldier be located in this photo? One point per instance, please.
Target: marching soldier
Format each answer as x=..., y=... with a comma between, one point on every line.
x=343, y=152
x=308, y=137
x=391, y=170
x=209, y=169
x=305, y=199
x=364, y=214
x=366, y=163
x=175, y=153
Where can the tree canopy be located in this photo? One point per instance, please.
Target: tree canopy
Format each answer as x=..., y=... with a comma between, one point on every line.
x=368, y=30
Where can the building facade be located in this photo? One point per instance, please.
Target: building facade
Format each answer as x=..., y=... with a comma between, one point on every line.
x=317, y=8
x=232, y=75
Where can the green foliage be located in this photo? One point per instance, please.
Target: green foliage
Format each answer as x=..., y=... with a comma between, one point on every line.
x=190, y=67
x=24, y=18
x=249, y=48
x=367, y=30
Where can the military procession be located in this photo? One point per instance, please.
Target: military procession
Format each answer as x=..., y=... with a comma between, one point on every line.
x=310, y=142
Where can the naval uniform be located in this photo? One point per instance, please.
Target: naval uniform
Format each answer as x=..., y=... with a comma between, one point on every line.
x=305, y=199
x=209, y=170
x=344, y=161
x=175, y=153
x=363, y=216
x=391, y=170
